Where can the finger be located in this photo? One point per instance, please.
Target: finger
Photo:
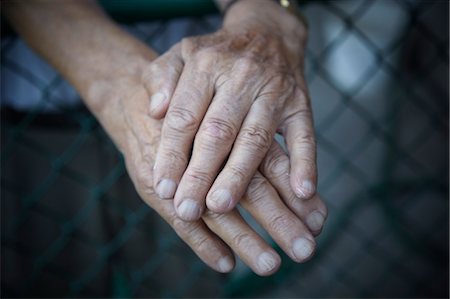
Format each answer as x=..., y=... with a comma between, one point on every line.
x=208, y=246
x=275, y=167
x=160, y=79
x=190, y=100
x=213, y=143
x=246, y=243
x=286, y=229
x=250, y=147
x=298, y=131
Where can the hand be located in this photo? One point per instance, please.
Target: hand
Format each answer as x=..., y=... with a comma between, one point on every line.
x=229, y=93
x=108, y=68
x=214, y=237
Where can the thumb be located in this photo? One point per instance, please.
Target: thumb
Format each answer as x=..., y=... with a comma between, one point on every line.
x=160, y=79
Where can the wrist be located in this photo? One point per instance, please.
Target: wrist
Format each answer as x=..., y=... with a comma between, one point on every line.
x=267, y=16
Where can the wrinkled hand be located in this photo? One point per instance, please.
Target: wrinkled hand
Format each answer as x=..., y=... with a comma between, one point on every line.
x=107, y=66
x=290, y=221
x=226, y=95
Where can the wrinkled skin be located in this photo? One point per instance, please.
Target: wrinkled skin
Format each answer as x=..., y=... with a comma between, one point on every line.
x=224, y=98
x=116, y=75
x=214, y=237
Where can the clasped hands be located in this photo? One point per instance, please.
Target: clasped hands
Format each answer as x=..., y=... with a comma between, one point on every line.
x=197, y=124
x=222, y=98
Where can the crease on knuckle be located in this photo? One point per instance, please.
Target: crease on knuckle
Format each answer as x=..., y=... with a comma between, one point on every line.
x=199, y=176
x=296, y=114
x=306, y=139
x=256, y=139
x=276, y=166
x=242, y=240
x=172, y=158
x=279, y=85
x=257, y=191
x=185, y=228
x=218, y=131
x=238, y=172
x=300, y=207
x=203, y=243
x=281, y=223
x=294, y=202
x=180, y=119
x=217, y=218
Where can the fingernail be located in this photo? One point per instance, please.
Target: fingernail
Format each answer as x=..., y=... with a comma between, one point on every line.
x=188, y=210
x=306, y=189
x=220, y=200
x=302, y=248
x=166, y=189
x=315, y=220
x=266, y=262
x=225, y=264
x=156, y=100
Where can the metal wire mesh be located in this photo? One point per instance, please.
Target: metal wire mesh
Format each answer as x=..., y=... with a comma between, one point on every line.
x=73, y=226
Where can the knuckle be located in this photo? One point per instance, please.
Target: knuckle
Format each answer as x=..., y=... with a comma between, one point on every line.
x=185, y=227
x=199, y=176
x=276, y=165
x=205, y=60
x=280, y=86
x=218, y=131
x=213, y=216
x=281, y=81
x=242, y=240
x=281, y=223
x=180, y=119
x=292, y=201
x=144, y=178
x=295, y=113
x=246, y=65
x=238, y=172
x=306, y=139
x=255, y=138
x=202, y=243
x=172, y=158
x=188, y=45
x=257, y=190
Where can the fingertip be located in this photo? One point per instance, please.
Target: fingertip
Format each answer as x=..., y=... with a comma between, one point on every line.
x=303, y=249
x=189, y=210
x=303, y=188
x=267, y=263
x=220, y=201
x=315, y=221
x=166, y=189
x=225, y=264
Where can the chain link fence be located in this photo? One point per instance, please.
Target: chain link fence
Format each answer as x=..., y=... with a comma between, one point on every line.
x=72, y=224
